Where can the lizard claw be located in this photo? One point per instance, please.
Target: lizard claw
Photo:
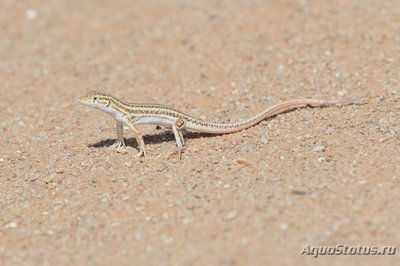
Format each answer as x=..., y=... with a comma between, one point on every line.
x=118, y=144
x=177, y=152
x=180, y=151
x=140, y=154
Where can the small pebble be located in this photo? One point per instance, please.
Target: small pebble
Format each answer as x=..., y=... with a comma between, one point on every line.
x=264, y=140
x=325, y=159
x=362, y=182
x=243, y=161
x=11, y=225
x=60, y=171
x=319, y=148
x=49, y=178
x=66, y=105
x=381, y=140
x=342, y=93
x=121, y=150
x=167, y=239
x=283, y=226
x=299, y=192
x=231, y=215
x=31, y=14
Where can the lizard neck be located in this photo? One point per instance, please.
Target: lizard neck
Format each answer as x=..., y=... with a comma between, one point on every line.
x=115, y=108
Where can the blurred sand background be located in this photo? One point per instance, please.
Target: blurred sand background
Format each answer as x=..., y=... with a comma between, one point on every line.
x=312, y=176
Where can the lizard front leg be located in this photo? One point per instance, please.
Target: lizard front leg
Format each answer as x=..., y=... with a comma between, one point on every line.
x=177, y=128
x=120, y=134
x=139, y=139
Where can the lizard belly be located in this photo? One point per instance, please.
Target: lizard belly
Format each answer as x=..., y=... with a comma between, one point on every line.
x=159, y=120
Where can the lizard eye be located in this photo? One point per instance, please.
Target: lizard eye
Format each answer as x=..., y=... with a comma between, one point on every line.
x=95, y=98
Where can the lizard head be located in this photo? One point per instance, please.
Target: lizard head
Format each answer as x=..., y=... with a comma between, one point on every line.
x=103, y=102
x=95, y=99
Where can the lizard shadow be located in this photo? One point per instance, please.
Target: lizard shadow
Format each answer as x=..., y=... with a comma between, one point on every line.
x=164, y=136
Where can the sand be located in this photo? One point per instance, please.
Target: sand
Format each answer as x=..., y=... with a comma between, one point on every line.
x=318, y=177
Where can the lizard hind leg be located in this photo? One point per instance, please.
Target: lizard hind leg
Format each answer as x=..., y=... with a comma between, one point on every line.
x=177, y=128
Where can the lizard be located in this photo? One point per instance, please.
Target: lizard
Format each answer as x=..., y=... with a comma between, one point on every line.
x=133, y=114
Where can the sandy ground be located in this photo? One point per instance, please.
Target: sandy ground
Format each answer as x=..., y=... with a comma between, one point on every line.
x=312, y=176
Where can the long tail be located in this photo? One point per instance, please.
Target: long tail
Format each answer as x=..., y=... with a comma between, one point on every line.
x=226, y=128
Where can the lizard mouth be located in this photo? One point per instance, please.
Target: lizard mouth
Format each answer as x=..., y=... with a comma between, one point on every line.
x=83, y=101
